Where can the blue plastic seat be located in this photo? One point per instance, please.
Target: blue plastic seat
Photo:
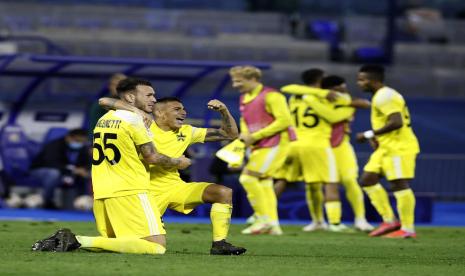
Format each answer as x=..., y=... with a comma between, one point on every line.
x=370, y=55
x=326, y=30
x=55, y=133
x=16, y=152
x=329, y=31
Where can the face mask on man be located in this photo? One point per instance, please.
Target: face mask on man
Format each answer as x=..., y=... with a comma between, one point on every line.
x=75, y=145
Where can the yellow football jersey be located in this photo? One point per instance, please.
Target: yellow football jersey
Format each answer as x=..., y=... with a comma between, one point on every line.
x=116, y=167
x=387, y=101
x=313, y=118
x=172, y=144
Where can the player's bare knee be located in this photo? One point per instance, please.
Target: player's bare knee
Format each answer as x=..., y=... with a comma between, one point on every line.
x=160, y=239
x=217, y=194
x=225, y=194
x=399, y=185
x=331, y=192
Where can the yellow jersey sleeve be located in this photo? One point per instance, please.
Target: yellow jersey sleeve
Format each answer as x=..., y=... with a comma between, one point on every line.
x=139, y=133
x=198, y=135
x=298, y=89
x=276, y=104
x=388, y=103
x=327, y=111
x=343, y=99
x=243, y=126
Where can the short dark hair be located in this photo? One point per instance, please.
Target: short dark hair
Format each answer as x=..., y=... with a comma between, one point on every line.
x=130, y=84
x=312, y=76
x=168, y=100
x=77, y=132
x=332, y=81
x=375, y=72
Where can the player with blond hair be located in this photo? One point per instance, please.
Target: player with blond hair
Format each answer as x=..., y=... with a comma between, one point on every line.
x=266, y=130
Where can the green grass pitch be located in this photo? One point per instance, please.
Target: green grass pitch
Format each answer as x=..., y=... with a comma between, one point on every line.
x=437, y=251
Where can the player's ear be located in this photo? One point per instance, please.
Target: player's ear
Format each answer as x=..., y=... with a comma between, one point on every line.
x=157, y=112
x=129, y=97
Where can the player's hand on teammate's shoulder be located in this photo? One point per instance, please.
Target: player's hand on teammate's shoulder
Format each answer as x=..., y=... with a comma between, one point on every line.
x=332, y=95
x=184, y=162
x=216, y=105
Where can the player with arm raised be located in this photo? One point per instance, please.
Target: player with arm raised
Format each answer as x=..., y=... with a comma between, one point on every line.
x=172, y=137
x=394, y=156
x=126, y=216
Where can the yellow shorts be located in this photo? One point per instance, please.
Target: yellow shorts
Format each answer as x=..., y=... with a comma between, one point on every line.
x=291, y=170
x=182, y=197
x=318, y=164
x=346, y=161
x=267, y=161
x=132, y=216
x=392, y=166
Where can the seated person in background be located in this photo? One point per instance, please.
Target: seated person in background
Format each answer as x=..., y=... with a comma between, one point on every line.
x=65, y=161
x=95, y=111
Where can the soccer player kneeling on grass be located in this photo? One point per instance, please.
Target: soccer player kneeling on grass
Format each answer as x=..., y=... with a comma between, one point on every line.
x=126, y=214
x=172, y=138
x=396, y=148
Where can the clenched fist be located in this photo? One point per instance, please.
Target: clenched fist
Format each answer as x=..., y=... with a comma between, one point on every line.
x=216, y=105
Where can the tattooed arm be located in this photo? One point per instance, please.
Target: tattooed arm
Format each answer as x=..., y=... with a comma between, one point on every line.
x=228, y=129
x=151, y=156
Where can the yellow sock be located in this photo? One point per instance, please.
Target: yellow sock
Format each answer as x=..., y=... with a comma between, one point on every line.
x=271, y=206
x=380, y=200
x=355, y=196
x=333, y=212
x=314, y=197
x=121, y=245
x=255, y=194
x=406, y=209
x=220, y=216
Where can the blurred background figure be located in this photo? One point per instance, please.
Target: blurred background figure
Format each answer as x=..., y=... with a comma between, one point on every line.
x=426, y=24
x=295, y=22
x=64, y=162
x=95, y=110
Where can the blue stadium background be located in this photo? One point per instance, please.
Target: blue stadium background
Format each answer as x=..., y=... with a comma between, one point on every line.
x=55, y=58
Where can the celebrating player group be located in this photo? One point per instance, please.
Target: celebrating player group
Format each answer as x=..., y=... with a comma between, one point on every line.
x=139, y=146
